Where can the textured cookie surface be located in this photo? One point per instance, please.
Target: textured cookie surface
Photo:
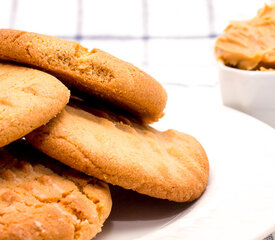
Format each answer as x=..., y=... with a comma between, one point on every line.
x=169, y=165
x=47, y=200
x=28, y=99
x=95, y=72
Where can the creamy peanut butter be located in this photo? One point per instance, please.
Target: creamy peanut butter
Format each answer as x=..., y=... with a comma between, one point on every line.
x=249, y=45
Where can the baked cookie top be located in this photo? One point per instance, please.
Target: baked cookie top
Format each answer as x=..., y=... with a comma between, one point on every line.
x=119, y=150
x=28, y=99
x=43, y=199
x=94, y=72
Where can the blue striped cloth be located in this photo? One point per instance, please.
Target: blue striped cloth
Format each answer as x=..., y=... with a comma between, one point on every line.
x=173, y=36
x=171, y=39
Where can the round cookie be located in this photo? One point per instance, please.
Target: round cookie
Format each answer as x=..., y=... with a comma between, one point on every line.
x=43, y=199
x=94, y=72
x=168, y=165
x=28, y=99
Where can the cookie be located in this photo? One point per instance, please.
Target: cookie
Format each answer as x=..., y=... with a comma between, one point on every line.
x=43, y=199
x=168, y=165
x=28, y=99
x=94, y=72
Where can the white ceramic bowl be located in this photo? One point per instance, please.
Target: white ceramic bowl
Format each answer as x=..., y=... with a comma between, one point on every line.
x=252, y=92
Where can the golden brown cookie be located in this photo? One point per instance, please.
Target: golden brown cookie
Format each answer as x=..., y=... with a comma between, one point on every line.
x=43, y=199
x=28, y=99
x=94, y=72
x=169, y=165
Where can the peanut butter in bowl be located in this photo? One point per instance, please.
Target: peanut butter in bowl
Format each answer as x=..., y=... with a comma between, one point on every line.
x=249, y=45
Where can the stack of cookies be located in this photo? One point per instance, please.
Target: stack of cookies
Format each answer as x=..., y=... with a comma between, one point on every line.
x=99, y=130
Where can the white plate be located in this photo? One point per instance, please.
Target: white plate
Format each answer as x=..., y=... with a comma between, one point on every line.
x=239, y=202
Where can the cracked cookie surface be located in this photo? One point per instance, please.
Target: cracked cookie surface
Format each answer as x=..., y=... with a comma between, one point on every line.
x=28, y=99
x=41, y=198
x=122, y=151
x=94, y=72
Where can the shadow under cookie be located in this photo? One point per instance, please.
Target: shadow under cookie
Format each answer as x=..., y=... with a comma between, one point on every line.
x=134, y=215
